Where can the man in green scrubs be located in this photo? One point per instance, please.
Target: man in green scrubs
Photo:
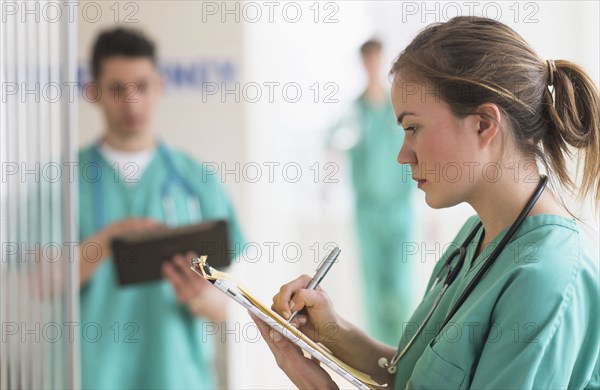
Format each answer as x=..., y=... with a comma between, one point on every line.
x=382, y=190
x=152, y=335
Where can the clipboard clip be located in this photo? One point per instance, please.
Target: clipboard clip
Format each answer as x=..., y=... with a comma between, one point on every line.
x=202, y=268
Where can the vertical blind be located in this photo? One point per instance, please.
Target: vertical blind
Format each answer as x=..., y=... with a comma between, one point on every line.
x=38, y=233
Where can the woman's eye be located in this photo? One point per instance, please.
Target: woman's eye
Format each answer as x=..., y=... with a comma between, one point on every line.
x=411, y=128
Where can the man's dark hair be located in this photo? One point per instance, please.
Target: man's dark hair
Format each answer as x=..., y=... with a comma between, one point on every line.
x=121, y=42
x=370, y=46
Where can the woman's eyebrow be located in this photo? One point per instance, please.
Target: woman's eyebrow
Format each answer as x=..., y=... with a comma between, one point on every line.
x=403, y=114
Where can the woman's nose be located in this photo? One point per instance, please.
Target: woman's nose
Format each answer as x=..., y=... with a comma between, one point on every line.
x=406, y=155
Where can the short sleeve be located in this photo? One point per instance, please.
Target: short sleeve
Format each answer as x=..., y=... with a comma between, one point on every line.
x=541, y=334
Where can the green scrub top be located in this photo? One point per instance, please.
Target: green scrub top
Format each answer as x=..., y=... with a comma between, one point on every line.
x=531, y=322
x=141, y=336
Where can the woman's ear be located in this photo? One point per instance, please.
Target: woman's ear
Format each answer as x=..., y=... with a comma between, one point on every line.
x=488, y=128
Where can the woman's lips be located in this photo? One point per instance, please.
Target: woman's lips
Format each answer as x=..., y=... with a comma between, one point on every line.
x=421, y=182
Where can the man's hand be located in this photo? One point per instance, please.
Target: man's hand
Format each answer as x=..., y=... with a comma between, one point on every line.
x=201, y=298
x=102, y=240
x=130, y=225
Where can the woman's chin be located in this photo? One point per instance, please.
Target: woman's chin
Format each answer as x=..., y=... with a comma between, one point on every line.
x=437, y=201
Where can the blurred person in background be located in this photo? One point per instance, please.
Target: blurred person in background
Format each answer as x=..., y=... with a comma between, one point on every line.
x=369, y=135
x=152, y=333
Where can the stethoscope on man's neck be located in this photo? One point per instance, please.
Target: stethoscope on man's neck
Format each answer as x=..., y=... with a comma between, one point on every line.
x=453, y=271
x=174, y=179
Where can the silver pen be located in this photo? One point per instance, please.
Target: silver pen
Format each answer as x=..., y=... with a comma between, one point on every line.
x=322, y=270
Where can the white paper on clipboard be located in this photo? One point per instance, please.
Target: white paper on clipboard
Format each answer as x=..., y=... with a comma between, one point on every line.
x=238, y=293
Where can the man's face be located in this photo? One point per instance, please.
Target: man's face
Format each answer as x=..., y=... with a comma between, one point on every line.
x=372, y=62
x=129, y=90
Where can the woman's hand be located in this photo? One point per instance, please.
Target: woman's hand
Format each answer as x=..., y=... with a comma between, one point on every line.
x=319, y=320
x=201, y=298
x=305, y=373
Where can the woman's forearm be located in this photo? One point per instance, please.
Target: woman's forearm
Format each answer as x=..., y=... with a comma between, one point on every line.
x=357, y=349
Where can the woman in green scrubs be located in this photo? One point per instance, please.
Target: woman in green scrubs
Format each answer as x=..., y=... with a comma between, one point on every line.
x=479, y=116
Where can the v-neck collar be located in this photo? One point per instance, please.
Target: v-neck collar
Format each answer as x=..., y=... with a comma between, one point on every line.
x=531, y=222
x=120, y=179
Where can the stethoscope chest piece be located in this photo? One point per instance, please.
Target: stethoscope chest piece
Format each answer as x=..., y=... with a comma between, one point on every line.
x=384, y=363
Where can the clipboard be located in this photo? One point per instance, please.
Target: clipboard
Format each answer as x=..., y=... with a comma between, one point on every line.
x=234, y=290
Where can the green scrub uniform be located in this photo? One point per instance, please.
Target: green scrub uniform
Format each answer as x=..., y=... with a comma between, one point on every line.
x=531, y=323
x=140, y=336
x=384, y=218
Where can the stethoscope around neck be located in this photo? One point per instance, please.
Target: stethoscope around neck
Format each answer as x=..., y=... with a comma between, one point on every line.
x=452, y=273
x=174, y=179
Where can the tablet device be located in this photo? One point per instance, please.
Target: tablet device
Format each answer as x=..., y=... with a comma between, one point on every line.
x=138, y=257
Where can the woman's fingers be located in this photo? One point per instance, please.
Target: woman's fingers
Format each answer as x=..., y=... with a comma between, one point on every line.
x=304, y=373
x=270, y=335
x=299, y=320
x=315, y=361
x=311, y=299
x=281, y=301
x=263, y=328
x=278, y=344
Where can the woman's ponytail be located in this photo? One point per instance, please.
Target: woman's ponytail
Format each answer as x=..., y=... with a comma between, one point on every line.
x=574, y=122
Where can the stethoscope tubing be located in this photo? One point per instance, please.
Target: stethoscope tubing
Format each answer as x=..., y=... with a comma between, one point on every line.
x=168, y=204
x=392, y=366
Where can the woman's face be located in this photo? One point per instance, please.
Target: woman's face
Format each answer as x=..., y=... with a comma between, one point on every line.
x=443, y=151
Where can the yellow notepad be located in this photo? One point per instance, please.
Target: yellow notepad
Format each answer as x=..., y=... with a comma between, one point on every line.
x=229, y=285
